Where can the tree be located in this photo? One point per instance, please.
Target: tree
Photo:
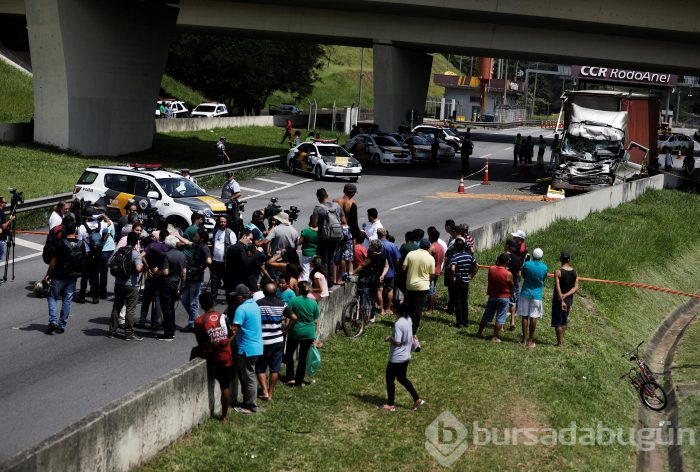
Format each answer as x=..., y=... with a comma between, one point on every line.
x=244, y=72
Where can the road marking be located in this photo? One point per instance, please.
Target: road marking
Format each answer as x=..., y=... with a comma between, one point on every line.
x=23, y=258
x=406, y=205
x=279, y=182
x=508, y=148
x=493, y=196
x=303, y=181
x=472, y=186
x=485, y=156
x=251, y=190
x=29, y=244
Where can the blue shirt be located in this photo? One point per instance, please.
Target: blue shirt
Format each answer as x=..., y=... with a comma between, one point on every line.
x=249, y=336
x=108, y=244
x=464, y=265
x=534, y=274
x=286, y=295
x=392, y=254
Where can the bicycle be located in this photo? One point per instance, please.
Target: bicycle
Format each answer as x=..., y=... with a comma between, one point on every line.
x=650, y=392
x=357, y=311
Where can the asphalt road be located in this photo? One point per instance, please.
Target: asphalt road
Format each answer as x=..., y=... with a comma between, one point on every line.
x=47, y=382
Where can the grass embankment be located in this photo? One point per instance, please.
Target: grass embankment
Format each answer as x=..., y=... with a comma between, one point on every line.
x=40, y=171
x=16, y=95
x=173, y=88
x=686, y=370
x=334, y=425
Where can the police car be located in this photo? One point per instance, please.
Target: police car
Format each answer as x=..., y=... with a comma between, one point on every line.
x=323, y=158
x=149, y=185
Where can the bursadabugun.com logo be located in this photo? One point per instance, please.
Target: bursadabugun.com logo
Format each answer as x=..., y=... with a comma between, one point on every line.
x=448, y=438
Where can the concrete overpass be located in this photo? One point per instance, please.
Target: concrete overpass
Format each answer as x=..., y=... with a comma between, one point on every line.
x=97, y=65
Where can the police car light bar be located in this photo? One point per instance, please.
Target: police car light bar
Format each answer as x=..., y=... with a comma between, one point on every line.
x=147, y=166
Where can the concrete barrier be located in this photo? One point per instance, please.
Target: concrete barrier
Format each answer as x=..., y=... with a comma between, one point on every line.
x=197, y=124
x=133, y=429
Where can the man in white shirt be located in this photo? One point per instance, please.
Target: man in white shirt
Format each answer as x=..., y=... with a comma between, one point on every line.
x=374, y=225
x=56, y=218
x=223, y=238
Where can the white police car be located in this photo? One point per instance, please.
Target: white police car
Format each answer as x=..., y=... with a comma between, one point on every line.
x=149, y=185
x=323, y=159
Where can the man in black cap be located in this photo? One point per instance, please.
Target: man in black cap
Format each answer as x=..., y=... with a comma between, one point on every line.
x=221, y=151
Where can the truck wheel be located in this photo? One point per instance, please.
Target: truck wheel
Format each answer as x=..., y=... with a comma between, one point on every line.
x=318, y=174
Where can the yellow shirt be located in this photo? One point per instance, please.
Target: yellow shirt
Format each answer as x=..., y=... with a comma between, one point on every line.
x=420, y=266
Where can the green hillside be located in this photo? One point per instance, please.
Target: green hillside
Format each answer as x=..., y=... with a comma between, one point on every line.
x=339, y=79
x=16, y=96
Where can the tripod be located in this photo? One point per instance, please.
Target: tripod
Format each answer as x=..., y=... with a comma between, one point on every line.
x=10, y=245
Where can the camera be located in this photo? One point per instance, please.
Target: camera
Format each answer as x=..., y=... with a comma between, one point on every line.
x=16, y=199
x=271, y=210
x=293, y=213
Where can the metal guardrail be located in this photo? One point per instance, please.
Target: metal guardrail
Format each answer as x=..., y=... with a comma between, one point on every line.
x=51, y=200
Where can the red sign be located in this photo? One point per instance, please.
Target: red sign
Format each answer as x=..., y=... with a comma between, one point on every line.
x=613, y=74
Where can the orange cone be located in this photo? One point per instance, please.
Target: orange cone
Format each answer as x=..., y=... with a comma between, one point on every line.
x=486, y=174
x=460, y=189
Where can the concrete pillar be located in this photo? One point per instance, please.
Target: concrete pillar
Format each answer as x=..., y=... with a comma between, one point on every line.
x=401, y=79
x=97, y=71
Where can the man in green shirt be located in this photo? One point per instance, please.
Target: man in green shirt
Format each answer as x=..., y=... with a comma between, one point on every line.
x=308, y=239
x=189, y=234
x=302, y=332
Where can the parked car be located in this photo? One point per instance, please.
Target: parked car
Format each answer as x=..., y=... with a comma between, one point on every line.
x=378, y=149
x=178, y=107
x=149, y=185
x=676, y=141
x=445, y=133
x=209, y=110
x=419, y=147
x=285, y=109
x=323, y=160
x=446, y=152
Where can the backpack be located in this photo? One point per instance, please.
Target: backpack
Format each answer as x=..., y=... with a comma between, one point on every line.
x=122, y=264
x=94, y=240
x=74, y=262
x=56, y=234
x=331, y=229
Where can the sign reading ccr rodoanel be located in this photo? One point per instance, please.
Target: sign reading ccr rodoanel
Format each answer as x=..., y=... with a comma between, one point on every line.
x=613, y=74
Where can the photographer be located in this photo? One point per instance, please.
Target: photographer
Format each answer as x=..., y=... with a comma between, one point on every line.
x=282, y=236
x=5, y=223
x=90, y=231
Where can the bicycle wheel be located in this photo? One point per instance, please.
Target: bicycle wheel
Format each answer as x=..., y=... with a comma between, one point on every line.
x=351, y=322
x=653, y=396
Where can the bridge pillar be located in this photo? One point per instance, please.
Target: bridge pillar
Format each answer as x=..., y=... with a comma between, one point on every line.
x=401, y=79
x=97, y=72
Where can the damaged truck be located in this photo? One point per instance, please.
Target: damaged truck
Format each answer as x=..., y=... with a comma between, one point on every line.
x=599, y=126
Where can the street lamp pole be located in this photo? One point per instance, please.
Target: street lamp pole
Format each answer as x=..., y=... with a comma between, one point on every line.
x=362, y=74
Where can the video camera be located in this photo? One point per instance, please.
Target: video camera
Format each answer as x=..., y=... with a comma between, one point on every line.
x=293, y=213
x=271, y=210
x=16, y=199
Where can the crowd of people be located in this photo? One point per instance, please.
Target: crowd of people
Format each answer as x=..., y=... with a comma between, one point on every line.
x=274, y=276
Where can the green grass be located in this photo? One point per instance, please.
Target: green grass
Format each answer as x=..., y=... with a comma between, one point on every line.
x=16, y=95
x=173, y=88
x=689, y=408
x=333, y=424
x=39, y=171
x=686, y=363
x=340, y=75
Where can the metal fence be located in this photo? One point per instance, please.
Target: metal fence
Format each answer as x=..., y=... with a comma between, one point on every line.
x=52, y=200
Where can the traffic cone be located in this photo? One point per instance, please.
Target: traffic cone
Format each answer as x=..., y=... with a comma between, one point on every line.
x=486, y=174
x=460, y=189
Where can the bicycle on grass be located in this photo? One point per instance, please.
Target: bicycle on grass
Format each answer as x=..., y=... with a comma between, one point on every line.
x=357, y=311
x=650, y=392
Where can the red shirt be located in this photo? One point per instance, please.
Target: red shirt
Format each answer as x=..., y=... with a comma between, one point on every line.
x=211, y=330
x=359, y=255
x=498, y=286
x=438, y=253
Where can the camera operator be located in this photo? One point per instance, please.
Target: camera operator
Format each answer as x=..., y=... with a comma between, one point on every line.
x=56, y=218
x=126, y=220
x=283, y=235
x=5, y=223
x=94, y=231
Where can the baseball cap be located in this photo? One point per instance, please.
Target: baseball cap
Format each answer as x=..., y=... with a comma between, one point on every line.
x=350, y=188
x=424, y=243
x=537, y=253
x=518, y=234
x=565, y=256
x=241, y=290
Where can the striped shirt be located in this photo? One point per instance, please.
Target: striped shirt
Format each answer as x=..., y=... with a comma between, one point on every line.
x=464, y=264
x=272, y=310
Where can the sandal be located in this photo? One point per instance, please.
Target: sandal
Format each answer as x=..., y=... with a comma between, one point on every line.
x=419, y=403
x=388, y=408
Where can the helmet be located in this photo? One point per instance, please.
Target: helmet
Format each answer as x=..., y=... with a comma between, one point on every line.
x=41, y=289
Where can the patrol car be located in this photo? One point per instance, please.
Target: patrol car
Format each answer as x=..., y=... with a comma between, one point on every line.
x=149, y=185
x=323, y=159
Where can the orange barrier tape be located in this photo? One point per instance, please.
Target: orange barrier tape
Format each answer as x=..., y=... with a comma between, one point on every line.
x=43, y=233
x=627, y=284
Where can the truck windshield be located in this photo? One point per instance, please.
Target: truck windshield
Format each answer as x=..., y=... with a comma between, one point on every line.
x=179, y=188
x=589, y=150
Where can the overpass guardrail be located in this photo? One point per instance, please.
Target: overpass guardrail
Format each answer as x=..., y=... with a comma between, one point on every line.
x=51, y=200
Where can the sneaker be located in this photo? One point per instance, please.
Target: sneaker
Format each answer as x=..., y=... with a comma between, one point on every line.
x=79, y=300
x=112, y=335
x=165, y=337
x=140, y=324
x=156, y=327
x=244, y=411
x=59, y=330
x=51, y=328
x=187, y=329
x=133, y=337
x=95, y=300
x=419, y=403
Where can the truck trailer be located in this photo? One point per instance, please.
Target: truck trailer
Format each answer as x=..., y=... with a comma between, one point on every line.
x=599, y=126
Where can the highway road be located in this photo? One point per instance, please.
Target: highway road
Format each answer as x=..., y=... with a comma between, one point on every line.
x=48, y=382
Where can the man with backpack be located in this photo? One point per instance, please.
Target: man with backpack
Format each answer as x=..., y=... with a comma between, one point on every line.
x=125, y=266
x=91, y=232
x=331, y=218
x=67, y=264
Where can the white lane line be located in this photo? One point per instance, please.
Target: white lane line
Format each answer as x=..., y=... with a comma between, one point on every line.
x=472, y=186
x=29, y=244
x=23, y=258
x=406, y=205
x=303, y=181
x=278, y=182
x=485, y=156
x=508, y=148
x=251, y=190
